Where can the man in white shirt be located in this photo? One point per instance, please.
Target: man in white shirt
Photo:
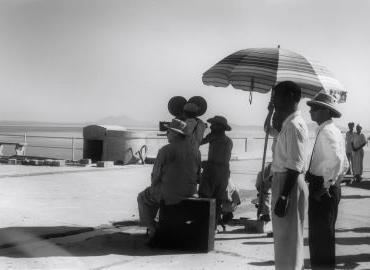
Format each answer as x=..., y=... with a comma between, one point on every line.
x=289, y=198
x=327, y=166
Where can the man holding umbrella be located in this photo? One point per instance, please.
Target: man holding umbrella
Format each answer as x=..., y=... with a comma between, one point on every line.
x=289, y=190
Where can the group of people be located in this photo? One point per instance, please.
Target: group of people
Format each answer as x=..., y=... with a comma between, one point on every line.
x=300, y=183
x=178, y=170
x=355, y=141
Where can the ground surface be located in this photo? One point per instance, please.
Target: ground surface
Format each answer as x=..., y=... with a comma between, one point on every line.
x=62, y=218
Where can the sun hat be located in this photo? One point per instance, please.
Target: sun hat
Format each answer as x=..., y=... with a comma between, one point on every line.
x=201, y=103
x=177, y=126
x=327, y=101
x=219, y=120
x=176, y=105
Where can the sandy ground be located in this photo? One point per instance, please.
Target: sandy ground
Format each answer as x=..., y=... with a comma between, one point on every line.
x=62, y=218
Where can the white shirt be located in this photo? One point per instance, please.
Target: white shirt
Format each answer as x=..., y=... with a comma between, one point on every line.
x=291, y=145
x=329, y=158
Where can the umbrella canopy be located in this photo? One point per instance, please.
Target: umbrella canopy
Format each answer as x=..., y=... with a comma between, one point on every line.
x=260, y=69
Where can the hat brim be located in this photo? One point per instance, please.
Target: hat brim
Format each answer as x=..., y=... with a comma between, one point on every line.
x=334, y=110
x=226, y=126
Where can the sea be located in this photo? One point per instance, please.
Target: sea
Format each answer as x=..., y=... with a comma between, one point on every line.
x=66, y=142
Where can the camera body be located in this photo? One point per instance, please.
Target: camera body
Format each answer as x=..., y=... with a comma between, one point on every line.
x=163, y=125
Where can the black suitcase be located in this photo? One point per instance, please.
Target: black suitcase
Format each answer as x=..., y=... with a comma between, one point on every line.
x=188, y=225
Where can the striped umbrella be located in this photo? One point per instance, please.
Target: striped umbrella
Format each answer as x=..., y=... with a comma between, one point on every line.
x=260, y=69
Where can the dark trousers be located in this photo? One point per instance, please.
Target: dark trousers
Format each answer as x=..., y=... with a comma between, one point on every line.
x=321, y=219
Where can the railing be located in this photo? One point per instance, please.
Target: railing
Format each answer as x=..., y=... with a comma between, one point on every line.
x=24, y=137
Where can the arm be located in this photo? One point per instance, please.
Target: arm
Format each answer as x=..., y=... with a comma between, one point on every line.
x=267, y=125
x=362, y=144
x=206, y=139
x=158, y=167
x=297, y=138
x=291, y=179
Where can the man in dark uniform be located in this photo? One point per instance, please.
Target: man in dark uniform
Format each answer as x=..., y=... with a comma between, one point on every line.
x=216, y=171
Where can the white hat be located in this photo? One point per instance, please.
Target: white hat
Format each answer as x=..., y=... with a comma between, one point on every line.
x=323, y=99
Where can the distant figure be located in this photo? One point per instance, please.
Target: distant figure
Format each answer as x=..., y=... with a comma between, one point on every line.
x=327, y=166
x=289, y=190
x=358, y=143
x=349, y=140
x=216, y=171
x=174, y=177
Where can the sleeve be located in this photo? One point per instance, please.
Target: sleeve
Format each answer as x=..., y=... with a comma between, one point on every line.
x=158, y=167
x=334, y=158
x=296, y=148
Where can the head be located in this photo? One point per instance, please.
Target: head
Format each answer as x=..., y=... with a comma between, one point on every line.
x=323, y=108
x=218, y=124
x=351, y=125
x=358, y=128
x=286, y=96
x=176, y=130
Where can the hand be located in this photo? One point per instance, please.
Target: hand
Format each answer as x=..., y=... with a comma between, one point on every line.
x=271, y=107
x=281, y=207
x=318, y=194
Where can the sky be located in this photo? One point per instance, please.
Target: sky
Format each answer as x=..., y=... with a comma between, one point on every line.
x=81, y=61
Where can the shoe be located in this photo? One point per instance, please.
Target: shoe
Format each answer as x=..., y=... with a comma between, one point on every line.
x=265, y=218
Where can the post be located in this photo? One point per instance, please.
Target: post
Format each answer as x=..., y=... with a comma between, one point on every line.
x=25, y=142
x=246, y=145
x=263, y=167
x=73, y=149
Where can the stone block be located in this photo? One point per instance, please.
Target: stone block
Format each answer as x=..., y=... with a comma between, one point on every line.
x=85, y=161
x=105, y=164
x=58, y=163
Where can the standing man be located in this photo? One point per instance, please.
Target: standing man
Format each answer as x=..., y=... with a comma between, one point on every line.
x=289, y=190
x=174, y=177
x=358, y=143
x=216, y=172
x=349, y=139
x=327, y=166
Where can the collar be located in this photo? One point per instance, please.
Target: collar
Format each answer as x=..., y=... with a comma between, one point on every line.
x=290, y=117
x=327, y=122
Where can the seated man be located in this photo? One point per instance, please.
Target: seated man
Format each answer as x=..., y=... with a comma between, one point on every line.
x=174, y=176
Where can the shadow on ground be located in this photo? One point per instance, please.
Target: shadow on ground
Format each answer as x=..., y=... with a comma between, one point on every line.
x=37, y=242
x=344, y=197
x=364, y=184
x=12, y=236
x=342, y=262
x=356, y=230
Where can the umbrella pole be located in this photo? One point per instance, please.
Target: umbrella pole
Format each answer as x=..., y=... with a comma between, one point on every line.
x=261, y=187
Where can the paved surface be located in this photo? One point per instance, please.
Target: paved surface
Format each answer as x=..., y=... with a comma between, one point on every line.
x=62, y=218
